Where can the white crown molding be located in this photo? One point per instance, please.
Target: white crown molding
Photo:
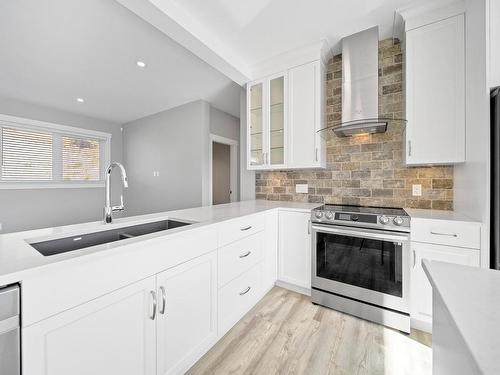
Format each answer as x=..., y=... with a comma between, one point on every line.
x=319, y=50
x=415, y=16
x=178, y=25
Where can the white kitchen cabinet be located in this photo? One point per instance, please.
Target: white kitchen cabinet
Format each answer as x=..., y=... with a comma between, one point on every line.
x=267, y=106
x=187, y=314
x=285, y=111
x=113, y=334
x=306, y=116
x=270, y=250
x=435, y=92
x=237, y=257
x=238, y=297
x=294, y=254
x=421, y=290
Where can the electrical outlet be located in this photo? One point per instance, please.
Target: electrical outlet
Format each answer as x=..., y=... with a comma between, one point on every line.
x=302, y=188
x=156, y=174
x=417, y=190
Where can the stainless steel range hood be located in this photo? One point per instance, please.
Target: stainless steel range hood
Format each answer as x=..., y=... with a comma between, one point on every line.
x=360, y=85
x=360, y=90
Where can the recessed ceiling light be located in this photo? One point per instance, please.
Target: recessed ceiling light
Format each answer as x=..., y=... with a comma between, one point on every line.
x=80, y=100
x=141, y=64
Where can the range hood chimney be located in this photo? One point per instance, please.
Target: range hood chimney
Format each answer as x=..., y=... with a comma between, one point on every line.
x=360, y=85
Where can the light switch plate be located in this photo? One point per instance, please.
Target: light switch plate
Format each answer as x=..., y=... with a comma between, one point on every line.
x=417, y=190
x=302, y=188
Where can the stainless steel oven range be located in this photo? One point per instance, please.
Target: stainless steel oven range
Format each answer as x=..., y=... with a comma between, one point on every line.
x=361, y=262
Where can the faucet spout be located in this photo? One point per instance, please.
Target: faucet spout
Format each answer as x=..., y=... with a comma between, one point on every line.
x=108, y=209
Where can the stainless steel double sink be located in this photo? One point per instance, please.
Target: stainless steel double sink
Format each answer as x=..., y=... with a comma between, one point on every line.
x=63, y=245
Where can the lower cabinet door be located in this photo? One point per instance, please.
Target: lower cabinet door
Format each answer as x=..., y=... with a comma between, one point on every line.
x=113, y=334
x=294, y=257
x=421, y=290
x=187, y=314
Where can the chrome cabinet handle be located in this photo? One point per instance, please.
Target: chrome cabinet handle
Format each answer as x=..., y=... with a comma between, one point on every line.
x=246, y=228
x=163, y=300
x=309, y=226
x=245, y=291
x=316, y=154
x=444, y=234
x=246, y=254
x=409, y=148
x=414, y=258
x=153, y=299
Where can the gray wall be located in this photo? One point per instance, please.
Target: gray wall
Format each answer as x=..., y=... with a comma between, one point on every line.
x=174, y=143
x=38, y=208
x=224, y=125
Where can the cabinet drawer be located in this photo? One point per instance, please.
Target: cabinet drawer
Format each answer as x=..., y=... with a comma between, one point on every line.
x=443, y=232
x=240, y=228
x=239, y=256
x=239, y=296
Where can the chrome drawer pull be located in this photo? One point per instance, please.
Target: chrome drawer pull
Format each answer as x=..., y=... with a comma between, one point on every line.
x=245, y=255
x=444, y=234
x=246, y=228
x=163, y=300
x=153, y=298
x=245, y=291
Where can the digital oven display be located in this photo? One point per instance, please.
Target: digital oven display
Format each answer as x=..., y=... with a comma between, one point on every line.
x=362, y=218
x=344, y=217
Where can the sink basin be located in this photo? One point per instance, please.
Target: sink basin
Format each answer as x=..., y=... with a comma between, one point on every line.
x=63, y=245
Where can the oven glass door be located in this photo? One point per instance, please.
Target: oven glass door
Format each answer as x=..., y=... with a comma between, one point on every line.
x=370, y=263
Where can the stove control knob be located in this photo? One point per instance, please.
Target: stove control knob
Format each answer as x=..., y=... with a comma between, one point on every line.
x=398, y=220
x=329, y=215
x=318, y=214
x=383, y=220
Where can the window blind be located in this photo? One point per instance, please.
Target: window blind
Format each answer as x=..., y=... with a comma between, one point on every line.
x=50, y=155
x=80, y=159
x=26, y=155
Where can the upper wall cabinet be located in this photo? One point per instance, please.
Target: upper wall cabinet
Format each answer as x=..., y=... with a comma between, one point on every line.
x=267, y=107
x=285, y=111
x=435, y=92
x=306, y=116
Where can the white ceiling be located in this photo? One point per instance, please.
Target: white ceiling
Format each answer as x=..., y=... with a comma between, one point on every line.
x=257, y=30
x=54, y=51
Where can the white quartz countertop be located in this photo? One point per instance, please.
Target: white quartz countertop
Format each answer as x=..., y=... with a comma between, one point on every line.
x=418, y=213
x=472, y=297
x=17, y=257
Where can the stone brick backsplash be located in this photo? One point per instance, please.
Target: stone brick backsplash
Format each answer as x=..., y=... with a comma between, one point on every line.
x=368, y=169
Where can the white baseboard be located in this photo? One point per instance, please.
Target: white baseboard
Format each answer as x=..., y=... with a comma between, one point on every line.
x=421, y=325
x=294, y=288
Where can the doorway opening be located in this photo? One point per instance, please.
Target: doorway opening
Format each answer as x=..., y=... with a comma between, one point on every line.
x=224, y=170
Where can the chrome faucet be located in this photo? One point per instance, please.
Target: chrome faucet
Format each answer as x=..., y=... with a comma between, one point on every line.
x=108, y=209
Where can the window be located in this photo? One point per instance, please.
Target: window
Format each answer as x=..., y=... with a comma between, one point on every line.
x=38, y=154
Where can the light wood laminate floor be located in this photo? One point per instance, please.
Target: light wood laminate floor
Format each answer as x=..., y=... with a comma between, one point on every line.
x=286, y=334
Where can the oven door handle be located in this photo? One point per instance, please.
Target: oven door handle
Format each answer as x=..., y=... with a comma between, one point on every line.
x=361, y=233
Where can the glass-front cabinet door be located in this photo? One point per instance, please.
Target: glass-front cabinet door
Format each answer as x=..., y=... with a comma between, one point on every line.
x=266, y=102
x=277, y=121
x=256, y=124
